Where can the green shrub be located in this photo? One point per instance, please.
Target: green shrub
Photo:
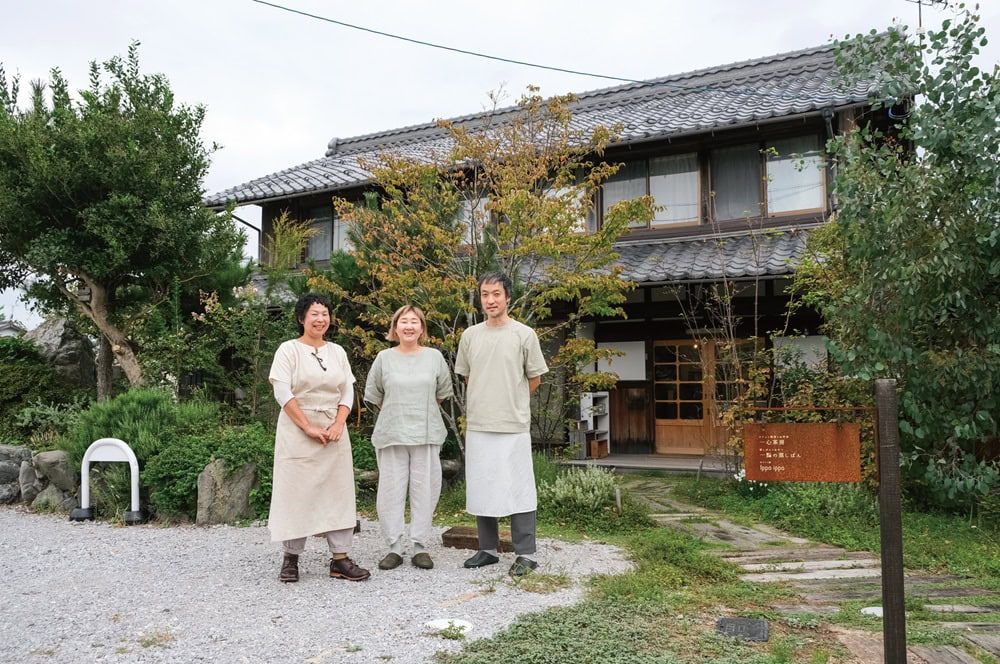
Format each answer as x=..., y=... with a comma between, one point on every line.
x=587, y=490
x=171, y=477
x=143, y=418
x=546, y=470
x=27, y=378
x=42, y=422
x=363, y=452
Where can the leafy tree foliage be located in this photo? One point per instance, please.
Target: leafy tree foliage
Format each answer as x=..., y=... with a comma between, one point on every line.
x=512, y=195
x=907, y=273
x=102, y=195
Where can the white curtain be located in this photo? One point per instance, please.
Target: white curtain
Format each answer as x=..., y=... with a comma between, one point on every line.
x=673, y=182
x=795, y=175
x=320, y=244
x=628, y=183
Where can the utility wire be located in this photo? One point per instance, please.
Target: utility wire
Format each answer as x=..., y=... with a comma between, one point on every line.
x=746, y=91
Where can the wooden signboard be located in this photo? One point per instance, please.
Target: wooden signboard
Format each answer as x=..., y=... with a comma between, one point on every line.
x=803, y=452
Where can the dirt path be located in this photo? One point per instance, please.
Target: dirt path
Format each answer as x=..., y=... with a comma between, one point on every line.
x=828, y=576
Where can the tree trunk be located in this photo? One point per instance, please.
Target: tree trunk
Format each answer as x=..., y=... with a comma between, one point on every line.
x=97, y=310
x=105, y=369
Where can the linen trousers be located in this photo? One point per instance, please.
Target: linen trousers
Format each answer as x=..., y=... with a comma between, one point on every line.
x=339, y=541
x=413, y=468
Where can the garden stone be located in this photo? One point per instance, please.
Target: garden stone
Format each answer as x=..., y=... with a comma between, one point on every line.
x=450, y=469
x=367, y=479
x=224, y=497
x=54, y=466
x=51, y=497
x=15, y=453
x=28, y=481
x=9, y=493
x=69, y=352
x=9, y=471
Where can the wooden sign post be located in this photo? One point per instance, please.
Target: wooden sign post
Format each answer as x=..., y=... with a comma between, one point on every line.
x=831, y=452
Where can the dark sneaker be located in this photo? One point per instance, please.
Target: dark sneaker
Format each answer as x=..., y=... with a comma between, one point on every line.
x=522, y=566
x=422, y=560
x=289, y=569
x=481, y=559
x=344, y=568
x=391, y=561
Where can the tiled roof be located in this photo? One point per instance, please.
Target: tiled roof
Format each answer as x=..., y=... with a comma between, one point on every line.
x=732, y=95
x=767, y=253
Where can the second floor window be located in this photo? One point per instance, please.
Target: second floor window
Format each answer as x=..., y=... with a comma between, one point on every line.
x=673, y=181
x=331, y=234
x=759, y=179
x=780, y=177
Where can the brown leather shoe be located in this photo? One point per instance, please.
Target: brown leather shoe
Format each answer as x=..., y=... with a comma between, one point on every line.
x=344, y=568
x=289, y=569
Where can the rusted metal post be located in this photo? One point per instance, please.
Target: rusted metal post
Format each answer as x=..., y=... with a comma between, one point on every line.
x=890, y=523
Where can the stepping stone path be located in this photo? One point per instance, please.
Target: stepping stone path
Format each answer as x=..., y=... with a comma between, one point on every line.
x=826, y=576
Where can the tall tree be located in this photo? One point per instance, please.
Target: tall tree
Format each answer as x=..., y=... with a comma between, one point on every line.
x=513, y=195
x=908, y=271
x=101, y=198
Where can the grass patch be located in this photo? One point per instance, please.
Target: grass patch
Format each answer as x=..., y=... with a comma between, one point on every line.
x=543, y=582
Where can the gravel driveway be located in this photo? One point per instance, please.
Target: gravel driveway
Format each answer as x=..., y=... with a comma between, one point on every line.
x=92, y=592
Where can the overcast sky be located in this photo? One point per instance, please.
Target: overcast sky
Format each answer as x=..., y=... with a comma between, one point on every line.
x=278, y=86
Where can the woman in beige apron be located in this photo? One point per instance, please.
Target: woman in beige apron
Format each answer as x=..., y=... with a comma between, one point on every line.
x=313, y=486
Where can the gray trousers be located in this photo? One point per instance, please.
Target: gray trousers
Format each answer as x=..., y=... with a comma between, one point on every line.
x=522, y=533
x=339, y=541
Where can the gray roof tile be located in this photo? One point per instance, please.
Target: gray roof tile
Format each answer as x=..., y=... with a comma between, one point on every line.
x=767, y=253
x=732, y=95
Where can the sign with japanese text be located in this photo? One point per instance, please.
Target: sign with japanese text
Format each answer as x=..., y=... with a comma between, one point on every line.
x=802, y=452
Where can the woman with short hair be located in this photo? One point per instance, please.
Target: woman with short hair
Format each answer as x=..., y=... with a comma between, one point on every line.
x=407, y=384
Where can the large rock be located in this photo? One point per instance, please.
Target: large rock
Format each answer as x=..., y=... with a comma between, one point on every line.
x=9, y=471
x=224, y=497
x=15, y=453
x=9, y=493
x=69, y=352
x=54, y=466
x=28, y=480
x=451, y=469
x=52, y=498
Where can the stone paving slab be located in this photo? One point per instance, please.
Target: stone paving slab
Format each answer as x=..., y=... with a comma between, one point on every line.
x=963, y=608
x=811, y=565
x=771, y=577
x=975, y=627
x=987, y=642
x=789, y=554
x=942, y=655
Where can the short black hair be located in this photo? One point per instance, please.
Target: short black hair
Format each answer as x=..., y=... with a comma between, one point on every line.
x=306, y=301
x=498, y=278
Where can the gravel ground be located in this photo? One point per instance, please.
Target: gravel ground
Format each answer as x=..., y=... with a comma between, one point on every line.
x=92, y=592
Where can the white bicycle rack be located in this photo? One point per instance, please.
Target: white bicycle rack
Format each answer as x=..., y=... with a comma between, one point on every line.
x=108, y=449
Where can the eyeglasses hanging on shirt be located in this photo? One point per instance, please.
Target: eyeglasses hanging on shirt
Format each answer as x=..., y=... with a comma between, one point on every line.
x=320, y=360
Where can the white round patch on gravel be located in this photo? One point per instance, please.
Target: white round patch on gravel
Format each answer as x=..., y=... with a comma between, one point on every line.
x=449, y=623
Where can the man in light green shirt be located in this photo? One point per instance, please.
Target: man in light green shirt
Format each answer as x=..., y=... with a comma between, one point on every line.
x=502, y=362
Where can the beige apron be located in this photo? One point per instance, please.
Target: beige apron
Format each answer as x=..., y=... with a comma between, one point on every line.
x=313, y=486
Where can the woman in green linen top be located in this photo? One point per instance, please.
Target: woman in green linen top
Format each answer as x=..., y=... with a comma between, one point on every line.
x=407, y=383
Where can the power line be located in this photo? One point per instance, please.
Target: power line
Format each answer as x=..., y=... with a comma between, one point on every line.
x=443, y=47
x=744, y=91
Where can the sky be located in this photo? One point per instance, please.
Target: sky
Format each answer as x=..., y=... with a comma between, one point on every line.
x=277, y=86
